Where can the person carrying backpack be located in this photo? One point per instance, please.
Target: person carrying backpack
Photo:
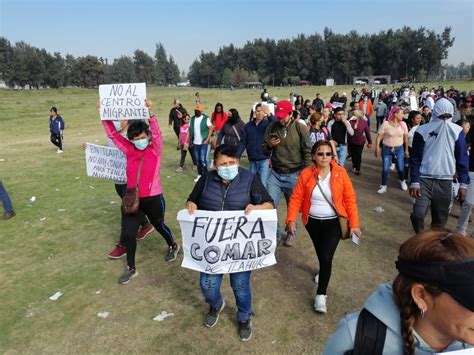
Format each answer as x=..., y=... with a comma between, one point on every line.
x=428, y=309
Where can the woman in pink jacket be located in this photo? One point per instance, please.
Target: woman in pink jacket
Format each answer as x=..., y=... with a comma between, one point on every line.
x=144, y=142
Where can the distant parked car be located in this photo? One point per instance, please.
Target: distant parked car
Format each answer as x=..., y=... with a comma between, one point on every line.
x=376, y=82
x=360, y=82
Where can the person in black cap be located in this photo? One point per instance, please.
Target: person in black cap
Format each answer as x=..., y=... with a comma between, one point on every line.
x=428, y=309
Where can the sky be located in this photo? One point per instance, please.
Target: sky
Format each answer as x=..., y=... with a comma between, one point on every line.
x=109, y=29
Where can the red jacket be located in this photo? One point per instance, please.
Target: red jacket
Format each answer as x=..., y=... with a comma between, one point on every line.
x=218, y=120
x=343, y=195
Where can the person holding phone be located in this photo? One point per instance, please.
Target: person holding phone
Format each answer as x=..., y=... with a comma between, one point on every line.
x=323, y=192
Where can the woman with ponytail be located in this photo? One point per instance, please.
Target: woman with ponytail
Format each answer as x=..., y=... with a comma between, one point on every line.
x=428, y=309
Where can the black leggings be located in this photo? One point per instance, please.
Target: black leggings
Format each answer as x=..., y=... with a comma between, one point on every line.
x=154, y=208
x=356, y=152
x=57, y=140
x=144, y=222
x=325, y=234
x=183, y=156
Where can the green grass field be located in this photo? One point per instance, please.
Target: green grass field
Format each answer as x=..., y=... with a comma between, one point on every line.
x=60, y=243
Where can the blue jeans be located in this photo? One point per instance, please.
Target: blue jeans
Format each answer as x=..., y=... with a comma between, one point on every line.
x=261, y=168
x=278, y=183
x=240, y=283
x=341, y=151
x=200, y=152
x=7, y=203
x=387, y=153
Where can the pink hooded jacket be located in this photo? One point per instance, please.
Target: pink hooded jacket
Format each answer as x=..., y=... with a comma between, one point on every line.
x=150, y=183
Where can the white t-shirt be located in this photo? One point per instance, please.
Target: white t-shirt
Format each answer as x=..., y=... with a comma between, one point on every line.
x=320, y=208
x=197, y=129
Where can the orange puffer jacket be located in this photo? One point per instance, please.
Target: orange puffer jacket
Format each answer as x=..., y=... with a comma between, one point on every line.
x=343, y=195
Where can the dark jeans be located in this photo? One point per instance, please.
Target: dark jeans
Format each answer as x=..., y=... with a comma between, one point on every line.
x=325, y=234
x=154, y=208
x=200, y=153
x=143, y=220
x=356, y=152
x=436, y=194
x=184, y=153
x=7, y=203
x=57, y=140
x=379, y=121
x=240, y=283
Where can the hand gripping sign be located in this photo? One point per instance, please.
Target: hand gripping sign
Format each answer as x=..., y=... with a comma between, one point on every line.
x=228, y=241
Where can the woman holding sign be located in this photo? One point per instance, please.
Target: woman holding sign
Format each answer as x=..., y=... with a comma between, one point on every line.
x=323, y=193
x=143, y=150
x=228, y=188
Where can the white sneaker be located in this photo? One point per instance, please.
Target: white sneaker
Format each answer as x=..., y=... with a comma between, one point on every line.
x=316, y=279
x=403, y=185
x=59, y=151
x=197, y=178
x=382, y=190
x=392, y=167
x=179, y=170
x=320, y=304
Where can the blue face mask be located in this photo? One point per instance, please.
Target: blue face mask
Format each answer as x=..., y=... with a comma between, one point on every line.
x=141, y=143
x=228, y=172
x=118, y=126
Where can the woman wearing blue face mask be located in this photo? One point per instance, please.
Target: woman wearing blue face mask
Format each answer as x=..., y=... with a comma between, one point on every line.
x=143, y=150
x=228, y=188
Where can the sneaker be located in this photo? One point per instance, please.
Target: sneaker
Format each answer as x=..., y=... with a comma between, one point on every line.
x=213, y=316
x=144, y=231
x=59, y=151
x=382, y=189
x=392, y=167
x=172, y=252
x=289, y=241
x=128, y=274
x=357, y=172
x=403, y=185
x=245, y=330
x=316, y=279
x=118, y=252
x=179, y=170
x=320, y=304
x=8, y=215
x=197, y=178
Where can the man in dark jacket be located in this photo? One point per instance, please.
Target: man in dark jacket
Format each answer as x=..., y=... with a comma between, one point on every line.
x=252, y=140
x=177, y=112
x=56, y=128
x=290, y=146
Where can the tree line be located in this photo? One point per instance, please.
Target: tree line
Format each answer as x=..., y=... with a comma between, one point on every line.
x=23, y=65
x=415, y=54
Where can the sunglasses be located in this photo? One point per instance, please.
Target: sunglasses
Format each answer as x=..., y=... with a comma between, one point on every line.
x=321, y=154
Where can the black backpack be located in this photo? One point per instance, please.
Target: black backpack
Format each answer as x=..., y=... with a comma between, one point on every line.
x=370, y=335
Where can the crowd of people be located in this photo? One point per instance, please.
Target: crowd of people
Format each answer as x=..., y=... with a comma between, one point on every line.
x=300, y=148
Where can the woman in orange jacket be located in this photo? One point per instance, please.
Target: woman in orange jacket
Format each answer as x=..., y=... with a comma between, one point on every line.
x=322, y=193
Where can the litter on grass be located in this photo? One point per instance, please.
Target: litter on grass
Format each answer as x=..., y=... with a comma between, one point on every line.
x=161, y=317
x=379, y=209
x=103, y=314
x=56, y=296
x=43, y=219
x=61, y=210
x=33, y=198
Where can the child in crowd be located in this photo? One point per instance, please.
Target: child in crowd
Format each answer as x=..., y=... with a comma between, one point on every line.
x=184, y=143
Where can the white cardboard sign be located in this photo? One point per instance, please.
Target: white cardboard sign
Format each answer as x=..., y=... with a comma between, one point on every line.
x=123, y=102
x=106, y=163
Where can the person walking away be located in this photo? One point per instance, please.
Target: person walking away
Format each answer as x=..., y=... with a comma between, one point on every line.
x=228, y=188
x=143, y=150
x=252, y=140
x=8, y=211
x=200, y=132
x=56, y=128
x=380, y=112
x=322, y=193
x=288, y=143
x=393, y=137
x=339, y=129
x=357, y=141
x=439, y=152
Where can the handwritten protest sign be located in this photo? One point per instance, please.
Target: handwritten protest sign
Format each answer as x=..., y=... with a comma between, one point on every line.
x=123, y=102
x=228, y=241
x=105, y=163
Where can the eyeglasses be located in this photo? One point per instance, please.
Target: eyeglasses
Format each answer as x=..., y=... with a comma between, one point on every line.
x=321, y=154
